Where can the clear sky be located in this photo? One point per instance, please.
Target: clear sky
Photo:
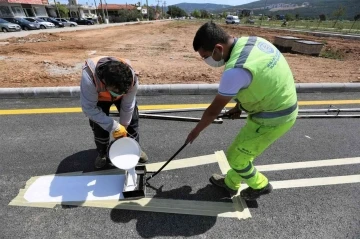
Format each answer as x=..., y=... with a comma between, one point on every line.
x=168, y=2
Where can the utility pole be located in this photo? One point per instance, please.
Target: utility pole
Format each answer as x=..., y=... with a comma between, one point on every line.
x=97, y=19
x=262, y=17
x=102, y=11
x=147, y=7
x=157, y=7
x=57, y=9
x=164, y=7
x=107, y=13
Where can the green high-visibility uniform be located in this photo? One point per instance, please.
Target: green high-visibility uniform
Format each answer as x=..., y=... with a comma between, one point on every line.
x=270, y=101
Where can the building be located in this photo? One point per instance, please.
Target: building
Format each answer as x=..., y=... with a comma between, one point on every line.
x=245, y=12
x=23, y=8
x=80, y=10
x=112, y=11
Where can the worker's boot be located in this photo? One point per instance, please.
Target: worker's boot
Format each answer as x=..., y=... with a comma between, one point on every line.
x=143, y=157
x=100, y=161
x=253, y=194
x=219, y=180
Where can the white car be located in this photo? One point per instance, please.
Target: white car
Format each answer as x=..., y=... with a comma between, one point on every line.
x=232, y=20
x=43, y=24
x=67, y=23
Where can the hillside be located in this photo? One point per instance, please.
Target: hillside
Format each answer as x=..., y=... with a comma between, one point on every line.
x=210, y=7
x=305, y=8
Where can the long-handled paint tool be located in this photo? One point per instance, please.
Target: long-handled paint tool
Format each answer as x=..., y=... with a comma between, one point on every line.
x=124, y=154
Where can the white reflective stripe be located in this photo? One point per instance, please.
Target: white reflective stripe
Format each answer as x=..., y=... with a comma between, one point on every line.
x=246, y=51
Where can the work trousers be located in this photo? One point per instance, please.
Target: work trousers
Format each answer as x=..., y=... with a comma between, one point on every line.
x=102, y=136
x=251, y=141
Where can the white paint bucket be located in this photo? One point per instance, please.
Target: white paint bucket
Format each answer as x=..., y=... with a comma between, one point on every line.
x=124, y=153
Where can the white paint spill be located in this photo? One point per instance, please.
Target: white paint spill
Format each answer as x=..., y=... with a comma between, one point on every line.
x=76, y=188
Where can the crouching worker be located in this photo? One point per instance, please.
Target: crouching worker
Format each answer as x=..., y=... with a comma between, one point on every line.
x=106, y=81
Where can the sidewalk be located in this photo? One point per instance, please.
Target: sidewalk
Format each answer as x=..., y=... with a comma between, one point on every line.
x=23, y=33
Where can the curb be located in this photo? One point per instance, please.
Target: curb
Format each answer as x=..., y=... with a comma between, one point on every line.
x=319, y=33
x=167, y=89
x=73, y=29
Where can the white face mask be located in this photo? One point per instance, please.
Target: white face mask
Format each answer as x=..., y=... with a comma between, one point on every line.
x=211, y=62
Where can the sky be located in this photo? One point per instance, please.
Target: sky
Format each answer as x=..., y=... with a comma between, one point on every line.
x=168, y=2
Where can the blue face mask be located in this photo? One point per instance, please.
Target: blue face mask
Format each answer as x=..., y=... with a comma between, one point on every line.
x=114, y=94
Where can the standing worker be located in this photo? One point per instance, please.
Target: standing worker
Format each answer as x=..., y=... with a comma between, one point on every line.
x=106, y=81
x=259, y=79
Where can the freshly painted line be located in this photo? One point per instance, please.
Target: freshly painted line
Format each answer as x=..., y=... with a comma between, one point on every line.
x=239, y=203
x=308, y=164
x=312, y=182
x=237, y=209
x=189, y=207
x=157, y=107
x=183, y=163
x=222, y=161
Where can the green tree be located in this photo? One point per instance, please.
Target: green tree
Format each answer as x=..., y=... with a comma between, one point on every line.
x=357, y=17
x=289, y=17
x=204, y=14
x=224, y=14
x=196, y=13
x=175, y=11
x=322, y=17
x=339, y=13
x=62, y=10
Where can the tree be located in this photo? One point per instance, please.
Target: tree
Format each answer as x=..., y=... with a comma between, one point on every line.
x=289, y=17
x=62, y=10
x=196, y=14
x=322, y=17
x=175, y=11
x=127, y=16
x=357, y=17
x=204, y=14
x=339, y=13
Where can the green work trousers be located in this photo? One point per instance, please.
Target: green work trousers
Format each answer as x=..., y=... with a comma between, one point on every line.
x=251, y=141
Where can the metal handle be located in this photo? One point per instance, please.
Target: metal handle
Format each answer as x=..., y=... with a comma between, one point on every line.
x=182, y=147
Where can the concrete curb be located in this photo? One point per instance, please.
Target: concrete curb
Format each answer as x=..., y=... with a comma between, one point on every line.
x=167, y=89
x=319, y=33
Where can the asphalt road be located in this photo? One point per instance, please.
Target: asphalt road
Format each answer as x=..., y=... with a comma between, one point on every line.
x=42, y=144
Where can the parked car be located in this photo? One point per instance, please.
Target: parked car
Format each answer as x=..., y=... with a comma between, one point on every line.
x=67, y=23
x=82, y=21
x=52, y=20
x=24, y=24
x=232, y=19
x=43, y=24
x=6, y=26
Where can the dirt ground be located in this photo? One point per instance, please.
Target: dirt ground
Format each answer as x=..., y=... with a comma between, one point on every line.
x=162, y=52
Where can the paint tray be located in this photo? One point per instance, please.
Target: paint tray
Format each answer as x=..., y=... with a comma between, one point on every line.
x=140, y=189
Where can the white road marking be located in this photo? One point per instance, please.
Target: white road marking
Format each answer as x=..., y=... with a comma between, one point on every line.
x=308, y=164
x=311, y=182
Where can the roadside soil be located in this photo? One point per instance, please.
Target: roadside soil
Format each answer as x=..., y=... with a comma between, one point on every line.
x=162, y=52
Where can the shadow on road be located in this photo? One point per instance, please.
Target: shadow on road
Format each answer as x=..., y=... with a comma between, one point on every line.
x=150, y=225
